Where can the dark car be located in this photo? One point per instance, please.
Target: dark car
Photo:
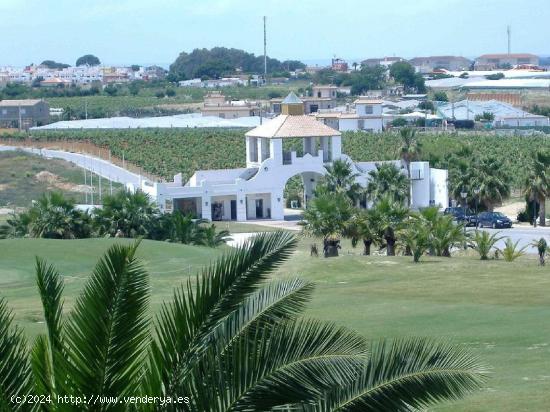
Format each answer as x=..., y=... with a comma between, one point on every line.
x=469, y=219
x=496, y=220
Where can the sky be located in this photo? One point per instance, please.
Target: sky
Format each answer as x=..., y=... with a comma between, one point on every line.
x=156, y=31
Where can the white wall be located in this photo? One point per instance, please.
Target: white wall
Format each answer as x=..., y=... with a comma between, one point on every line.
x=438, y=187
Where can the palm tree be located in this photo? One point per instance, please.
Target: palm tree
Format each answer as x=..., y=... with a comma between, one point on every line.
x=213, y=238
x=389, y=217
x=444, y=232
x=410, y=149
x=125, y=214
x=354, y=64
x=493, y=181
x=387, y=179
x=362, y=227
x=537, y=184
x=511, y=252
x=232, y=339
x=542, y=249
x=340, y=177
x=416, y=237
x=55, y=217
x=483, y=242
x=327, y=216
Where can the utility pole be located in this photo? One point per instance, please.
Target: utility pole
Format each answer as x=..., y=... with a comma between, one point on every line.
x=265, y=51
x=85, y=184
x=86, y=107
x=509, y=33
x=20, y=117
x=99, y=175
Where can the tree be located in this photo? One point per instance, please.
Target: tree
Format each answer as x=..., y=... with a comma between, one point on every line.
x=389, y=216
x=135, y=67
x=125, y=214
x=50, y=64
x=492, y=180
x=134, y=88
x=542, y=249
x=340, y=178
x=362, y=227
x=326, y=216
x=485, y=116
x=409, y=149
x=482, y=242
x=416, y=236
x=441, y=96
x=445, y=234
x=537, y=183
x=234, y=339
x=88, y=59
x=170, y=92
x=52, y=216
x=111, y=90
x=404, y=73
x=387, y=180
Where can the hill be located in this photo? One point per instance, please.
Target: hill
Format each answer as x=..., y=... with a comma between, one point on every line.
x=25, y=177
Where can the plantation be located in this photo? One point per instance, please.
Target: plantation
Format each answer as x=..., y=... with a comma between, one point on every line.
x=168, y=152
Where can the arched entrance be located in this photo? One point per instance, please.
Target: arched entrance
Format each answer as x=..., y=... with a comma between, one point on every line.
x=298, y=191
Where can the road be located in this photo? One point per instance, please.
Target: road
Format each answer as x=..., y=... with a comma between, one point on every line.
x=100, y=167
x=522, y=234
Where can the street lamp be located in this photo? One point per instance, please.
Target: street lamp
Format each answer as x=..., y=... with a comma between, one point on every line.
x=463, y=195
x=476, y=192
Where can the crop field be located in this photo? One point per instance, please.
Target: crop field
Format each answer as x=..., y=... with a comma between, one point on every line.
x=498, y=310
x=168, y=152
x=128, y=105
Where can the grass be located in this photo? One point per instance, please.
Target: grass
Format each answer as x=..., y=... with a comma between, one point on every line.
x=498, y=310
x=239, y=227
x=19, y=184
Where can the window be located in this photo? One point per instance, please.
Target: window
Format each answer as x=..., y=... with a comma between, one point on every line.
x=361, y=124
x=23, y=111
x=369, y=109
x=4, y=111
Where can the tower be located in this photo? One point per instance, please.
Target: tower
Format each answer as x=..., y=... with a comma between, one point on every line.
x=292, y=105
x=509, y=33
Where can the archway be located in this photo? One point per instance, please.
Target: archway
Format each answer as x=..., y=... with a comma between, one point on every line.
x=298, y=191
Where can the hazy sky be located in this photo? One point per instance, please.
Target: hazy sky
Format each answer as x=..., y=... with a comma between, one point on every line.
x=155, y=31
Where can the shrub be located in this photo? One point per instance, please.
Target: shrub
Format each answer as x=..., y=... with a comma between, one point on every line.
x=482, y=242
x=511, y=251
x=464, y=124
x=495, y=76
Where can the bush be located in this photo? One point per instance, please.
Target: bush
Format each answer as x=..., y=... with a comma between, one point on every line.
x=496, y=76
x=170, y=92
x=399, y=122
x=464, y=124
x=160, y=94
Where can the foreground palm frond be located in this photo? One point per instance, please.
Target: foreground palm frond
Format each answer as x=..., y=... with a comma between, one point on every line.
x=287, y=363
x=108, y=331
x=15, y=370
x=408, y=374
x=187, y=326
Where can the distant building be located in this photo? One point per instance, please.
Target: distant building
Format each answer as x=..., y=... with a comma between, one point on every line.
x=383, y=61
x=430, y=63
x=311, y=104
x=24, y=113
x=54, y=82
x=339, y=65
x=504, y=60
x=367, y=117
x=215, y=104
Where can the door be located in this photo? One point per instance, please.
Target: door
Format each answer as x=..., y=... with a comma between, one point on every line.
x=217, y=211
x=233, y=210
x=259, y=208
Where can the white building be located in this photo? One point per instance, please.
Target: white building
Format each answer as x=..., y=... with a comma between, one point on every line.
x=256, y=191
x=367, y=116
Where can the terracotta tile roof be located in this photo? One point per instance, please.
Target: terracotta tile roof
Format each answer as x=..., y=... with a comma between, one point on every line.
x=287, y=126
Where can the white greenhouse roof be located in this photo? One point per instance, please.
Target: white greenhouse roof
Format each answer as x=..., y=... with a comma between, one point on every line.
x=468, y=109
x=177, y=121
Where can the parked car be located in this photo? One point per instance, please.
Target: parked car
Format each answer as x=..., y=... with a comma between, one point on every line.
x=470, y=219
x=496, y=220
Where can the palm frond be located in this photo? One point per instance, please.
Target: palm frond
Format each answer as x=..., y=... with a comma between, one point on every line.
x=50, y=288
x=408, y=374
x=288, y=363
x=108, y=331
x=185, y=328
x=15, y=370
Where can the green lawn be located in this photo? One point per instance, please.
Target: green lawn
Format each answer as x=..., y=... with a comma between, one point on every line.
x=499, y=310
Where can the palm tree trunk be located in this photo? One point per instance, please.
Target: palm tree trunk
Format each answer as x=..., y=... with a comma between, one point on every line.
x=390, y=247
x=367, y=243
x=542, y=211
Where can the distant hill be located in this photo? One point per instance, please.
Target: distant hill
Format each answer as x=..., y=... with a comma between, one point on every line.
x=220, y=61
